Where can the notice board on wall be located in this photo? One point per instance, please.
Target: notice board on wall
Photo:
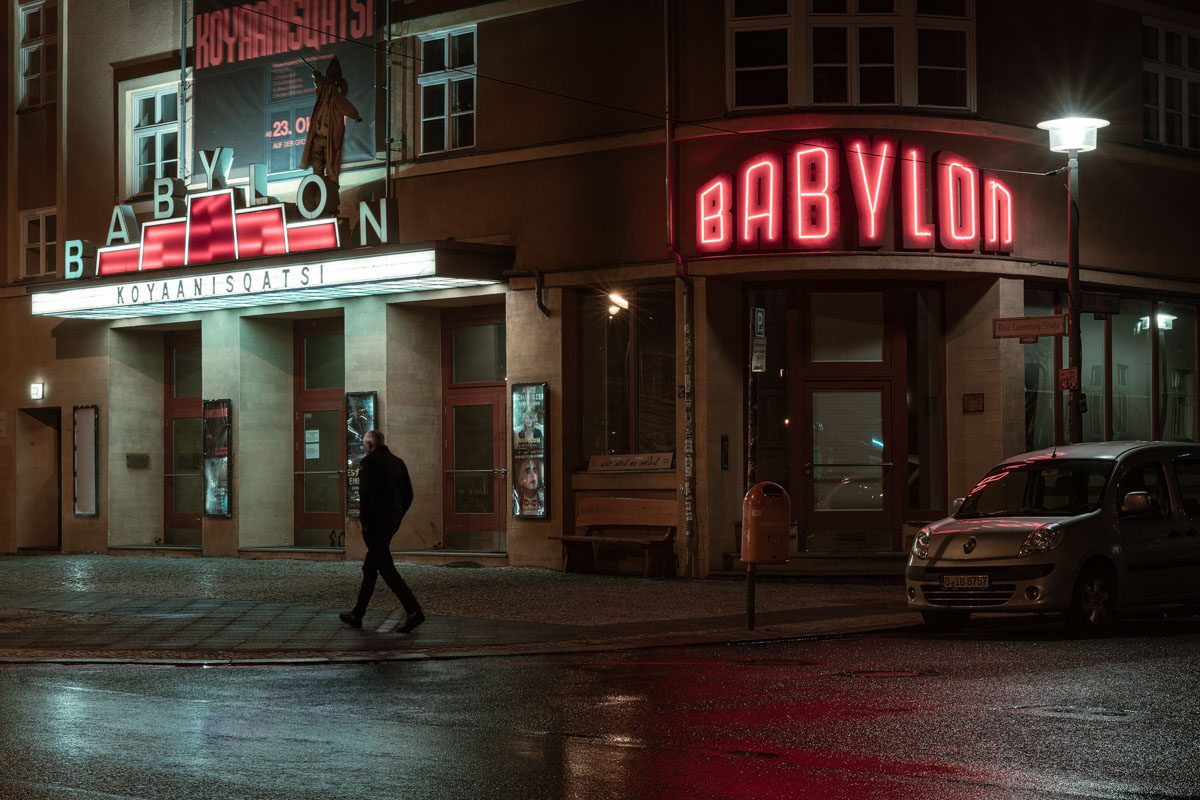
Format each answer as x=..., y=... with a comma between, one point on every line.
x=530, y=434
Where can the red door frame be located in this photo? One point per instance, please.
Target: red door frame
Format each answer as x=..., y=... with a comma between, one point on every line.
x=475, y=393
x=309, y=400
x=176, y=408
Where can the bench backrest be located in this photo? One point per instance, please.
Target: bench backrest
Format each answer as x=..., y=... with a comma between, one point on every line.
x=625, y=512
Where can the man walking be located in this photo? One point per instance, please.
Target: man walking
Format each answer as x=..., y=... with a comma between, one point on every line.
x=385, y=494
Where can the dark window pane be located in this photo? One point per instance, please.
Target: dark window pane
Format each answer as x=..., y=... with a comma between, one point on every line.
x=655, y=315
x=168, y=107
x=829, y=45
x=1173, y=97
x=187, y=370
x=1177, y=372
x=462, y=50
x=829, y=85
x=433, y=136
x=763, y=87
x=32, y=24
x=942, y=87
x=433, y=55
x=433, y=100
x=876, y=6
x=1150, y=124
x=1172, y=128
x=1194, y=132
x=877, y=85
x=51, y=233
x=1150, y=88
x=942, y=8
x=1194, y=52
x=479, y=353
x=324, y=362
x=759, y=8
x=33, y=230
x=760, y=48
x=1173, y=48
x=462, y=96
x=1149, y=42
x=829, y=6
x=463, y=129
x=938, y=48
x=876, y=46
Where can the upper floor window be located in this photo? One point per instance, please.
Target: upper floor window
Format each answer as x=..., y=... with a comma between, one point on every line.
x=446, y=82
x=39, y=235
x=149, y=121
x=1170, y=85
x=851, y=52
x=37, y=27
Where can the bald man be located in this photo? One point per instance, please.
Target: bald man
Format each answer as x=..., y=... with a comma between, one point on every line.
x=385, y=494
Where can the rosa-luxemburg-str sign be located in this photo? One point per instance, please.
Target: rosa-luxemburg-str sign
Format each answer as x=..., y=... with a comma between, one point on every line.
x=836, y=193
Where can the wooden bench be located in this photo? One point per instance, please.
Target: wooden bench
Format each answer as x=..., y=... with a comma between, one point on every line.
x=626, y=522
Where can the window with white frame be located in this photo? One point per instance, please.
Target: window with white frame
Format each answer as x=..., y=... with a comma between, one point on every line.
x=446, y=83
x=39, y=235
x=153, y=137
x=851, y=53
x=1170, y=85
x=37, y=30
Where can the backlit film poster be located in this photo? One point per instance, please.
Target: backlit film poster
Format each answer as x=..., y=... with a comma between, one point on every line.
x=254, y=91
x=360, y=420
x=218, y=430
x=529, y=439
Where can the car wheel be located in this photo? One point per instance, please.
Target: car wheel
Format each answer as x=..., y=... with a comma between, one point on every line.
x=945, y=621
x=1094, y=601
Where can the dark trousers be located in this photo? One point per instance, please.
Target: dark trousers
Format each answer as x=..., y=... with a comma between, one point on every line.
x=379, y=562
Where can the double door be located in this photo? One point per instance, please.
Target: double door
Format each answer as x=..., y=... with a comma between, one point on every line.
x=476, y=478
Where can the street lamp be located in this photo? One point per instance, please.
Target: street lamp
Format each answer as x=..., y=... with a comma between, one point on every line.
x=1073, y=135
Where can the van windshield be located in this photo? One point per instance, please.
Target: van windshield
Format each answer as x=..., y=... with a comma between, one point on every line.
x=1042, y=488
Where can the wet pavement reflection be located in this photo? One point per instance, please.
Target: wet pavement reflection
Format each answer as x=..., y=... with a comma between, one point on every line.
x=1008, y=709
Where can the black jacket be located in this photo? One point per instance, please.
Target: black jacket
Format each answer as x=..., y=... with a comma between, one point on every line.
x=384, y=489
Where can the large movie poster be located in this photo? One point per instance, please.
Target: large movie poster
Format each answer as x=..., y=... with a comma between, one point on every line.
x=529, y=438
x=218, y=432
x=253, y=90
x=361, y=415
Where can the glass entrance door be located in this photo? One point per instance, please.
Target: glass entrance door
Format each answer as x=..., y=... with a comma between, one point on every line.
x=475, y=472
x=320, y=436
x=849, y=475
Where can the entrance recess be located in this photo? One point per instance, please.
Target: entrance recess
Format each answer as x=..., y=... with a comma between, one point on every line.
x=39, y=478
x=849, y=475
x=183, y=481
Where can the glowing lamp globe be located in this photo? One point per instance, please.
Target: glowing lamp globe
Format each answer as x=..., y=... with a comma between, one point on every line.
x=1073, y=133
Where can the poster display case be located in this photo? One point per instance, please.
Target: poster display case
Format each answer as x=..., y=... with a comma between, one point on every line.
x=361, y=416
x=218, y=434
x=530, y=434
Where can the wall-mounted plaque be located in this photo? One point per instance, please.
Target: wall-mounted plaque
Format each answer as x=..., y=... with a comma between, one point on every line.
x=218, y=436
x=361, y=415
x=530, y=436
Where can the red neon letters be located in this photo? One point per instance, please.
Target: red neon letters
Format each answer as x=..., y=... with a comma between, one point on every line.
x=795, y=202
x=871, y=167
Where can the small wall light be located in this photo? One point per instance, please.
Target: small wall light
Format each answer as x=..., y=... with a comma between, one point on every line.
x=37, y=391
x=618, y=301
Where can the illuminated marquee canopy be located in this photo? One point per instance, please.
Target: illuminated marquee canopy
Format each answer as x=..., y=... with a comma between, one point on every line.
x=795, y=200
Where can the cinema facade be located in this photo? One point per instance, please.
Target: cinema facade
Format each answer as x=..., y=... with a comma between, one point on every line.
x=512, y=310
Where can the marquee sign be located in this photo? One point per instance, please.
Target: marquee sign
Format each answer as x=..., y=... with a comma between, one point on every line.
x=802, y=200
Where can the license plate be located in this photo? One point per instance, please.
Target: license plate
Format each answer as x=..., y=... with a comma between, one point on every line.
x=965, y=581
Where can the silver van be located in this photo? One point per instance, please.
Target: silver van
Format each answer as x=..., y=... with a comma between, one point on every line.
x=1083, y=530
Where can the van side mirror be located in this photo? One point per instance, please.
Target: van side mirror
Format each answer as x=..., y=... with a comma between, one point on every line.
x=1135, y=503
x=956, y=505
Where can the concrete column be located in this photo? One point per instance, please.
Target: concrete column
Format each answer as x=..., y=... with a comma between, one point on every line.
x=264, y=433
x=977, y=363
x=135, y=421
x=537, y=347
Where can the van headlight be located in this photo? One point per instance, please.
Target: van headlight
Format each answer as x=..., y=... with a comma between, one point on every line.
x=1042, y=539
x=920, y=546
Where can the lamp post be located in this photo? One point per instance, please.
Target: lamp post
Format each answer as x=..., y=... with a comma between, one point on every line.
x=1073, y=135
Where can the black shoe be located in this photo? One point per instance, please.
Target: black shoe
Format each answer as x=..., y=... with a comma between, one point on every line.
x=350, y=619
x=411, y=622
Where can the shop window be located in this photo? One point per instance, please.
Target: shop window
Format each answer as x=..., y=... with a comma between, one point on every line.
x=39, y=239
x=853, y=52
x=1177, y=372
x=926, y=421
x=1170, y=85
x=1187, y=482
x=1122, y=355
x=1039, y=375
x=628, y=373
x=37, y=81
x=446, y=90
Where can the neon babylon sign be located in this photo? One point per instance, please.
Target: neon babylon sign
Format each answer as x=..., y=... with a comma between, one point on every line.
x=793, y=200
x=218, y=227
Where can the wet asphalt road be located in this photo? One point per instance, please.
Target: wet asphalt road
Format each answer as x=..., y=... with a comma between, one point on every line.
x=1002, y=711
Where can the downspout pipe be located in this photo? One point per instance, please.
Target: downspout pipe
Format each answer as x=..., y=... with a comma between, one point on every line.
x=691, y=541
x=387, y=91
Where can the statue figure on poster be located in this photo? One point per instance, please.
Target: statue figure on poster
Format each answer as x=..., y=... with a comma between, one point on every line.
x=327, y=125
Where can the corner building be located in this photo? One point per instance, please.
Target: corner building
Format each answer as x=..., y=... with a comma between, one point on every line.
x=822, y=205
